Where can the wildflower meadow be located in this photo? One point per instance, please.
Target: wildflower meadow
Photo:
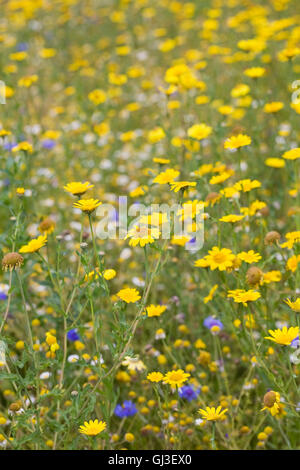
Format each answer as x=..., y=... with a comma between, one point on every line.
x=149, y=225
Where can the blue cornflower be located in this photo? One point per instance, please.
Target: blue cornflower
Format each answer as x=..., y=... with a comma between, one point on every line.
x=209, y=322
x=188, y=392
x=127, y=409
x=72, y=335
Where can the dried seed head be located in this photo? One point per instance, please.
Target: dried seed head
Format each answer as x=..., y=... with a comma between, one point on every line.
x=47, y=225
x=254, y=275
x=272, y=237
x=12, y=261
x=270, y=399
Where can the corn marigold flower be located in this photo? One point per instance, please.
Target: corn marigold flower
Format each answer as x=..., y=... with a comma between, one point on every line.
x=176, y=378
x=255, y=72
x=142, y=236
x=213, y=414
x=271, y=402
x=293, y=154
x=34, y=245
x=294, y=305
x=97, y=96
x=155, y=376
x=237, y=141
x=155, y=310
x=284, y=336
x=92, y=428
x=25, y=146
x=166, y=176
x=12, y=261
x=199, y=131
x=220, y=259
x=129, y=295
x=243, y=296
x=87, y=205
x=231, y=218
x=77, y=189
x=273, y=107
x=249, y=257
x=177, y=185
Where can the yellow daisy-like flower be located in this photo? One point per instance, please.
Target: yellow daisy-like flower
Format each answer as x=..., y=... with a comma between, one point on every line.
x=293, y=154
x=294, y=305
x=220, y=259
x=77, y=189
x=176, y=186
x=231, y=218
x=129, y=295
x=34, y=245
x=255, y=72
x=284, y=336
x=199, y=131
x=176, y=378
x=142, y=236
x=25, y=146
x=155, y=310
x=166, y=176
x=243, y=296
x=155, y=376
x=87, y=205
x=92, y=428
x=213, y=414
x=271, y=402
x=249, y=257
x=97, y=96
x=237, y=141
x=275, y=162
x=273, y=107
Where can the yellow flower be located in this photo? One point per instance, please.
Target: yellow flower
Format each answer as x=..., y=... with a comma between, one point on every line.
x=231, y=218
x=220, y=259
x=292, y=263
x=275, y=162
x=155, y=310
x=176, y=378
x=284, y=336
x=243, y=296
x=237, y=141
x=92, y=428
x=292, y=154
x=34, y=245
x=109, y=274
x=273, y=107
x=213, y=414
x=142, y=236
x=209, y=297
x=246, y=185
x=271, y=402
x=155, y=376
x=97, y=96
x=249, y=257
x=87, y=205
x=199, y=131
x=176, y=186
x=129, y=295
x=294, y=305
x=255, y=72
x=166, y=176
x=25, y=146
x=77, y=189
x=156, y=134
